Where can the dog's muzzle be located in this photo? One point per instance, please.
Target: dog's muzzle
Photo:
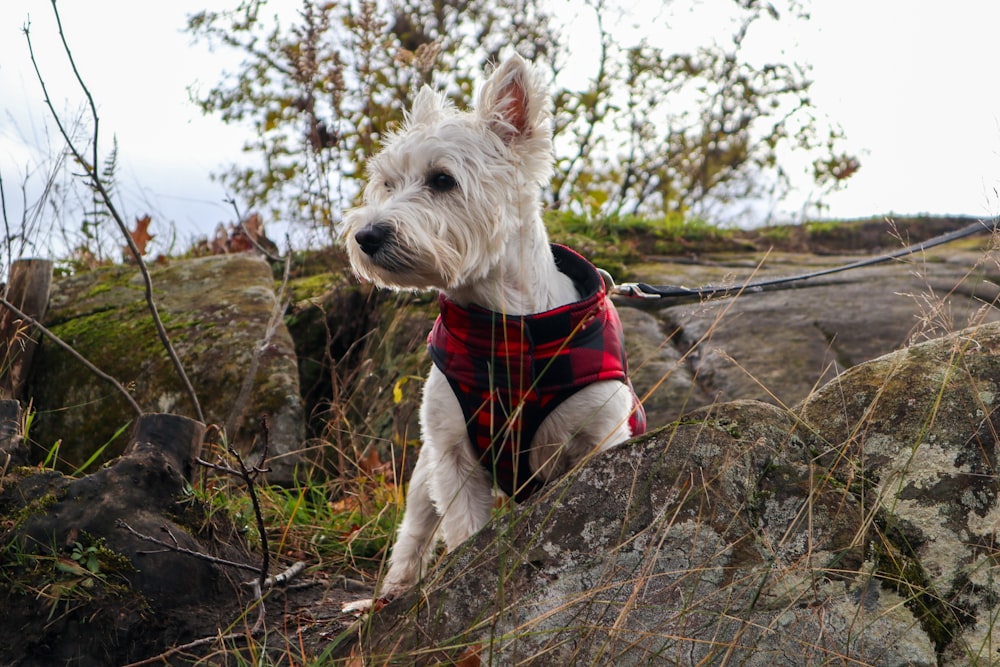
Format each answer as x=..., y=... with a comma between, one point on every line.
x=372, y=238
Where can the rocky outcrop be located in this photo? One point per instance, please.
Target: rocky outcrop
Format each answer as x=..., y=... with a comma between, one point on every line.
x=779, y=346
x=345, y=348
x=219, y=313
x=788, y=511
x=858, y=527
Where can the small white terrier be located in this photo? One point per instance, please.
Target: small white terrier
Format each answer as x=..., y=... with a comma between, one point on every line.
x=529, y=372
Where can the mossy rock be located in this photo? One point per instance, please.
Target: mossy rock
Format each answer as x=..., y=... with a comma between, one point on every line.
x=216, y=312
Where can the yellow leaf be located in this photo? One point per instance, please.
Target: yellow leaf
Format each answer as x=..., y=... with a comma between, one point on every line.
x=397, y=390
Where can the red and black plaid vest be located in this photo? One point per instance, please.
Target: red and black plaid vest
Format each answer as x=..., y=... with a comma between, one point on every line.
x=510, y=371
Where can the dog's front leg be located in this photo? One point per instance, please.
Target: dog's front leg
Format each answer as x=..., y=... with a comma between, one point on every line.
x=463, y=494
x=415, y=538
x=459, y=486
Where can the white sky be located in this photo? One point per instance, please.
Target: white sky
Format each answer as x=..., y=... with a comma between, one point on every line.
x=913, y=83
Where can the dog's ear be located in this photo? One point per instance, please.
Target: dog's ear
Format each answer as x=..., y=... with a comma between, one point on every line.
x=513, y=101
x=427, y=107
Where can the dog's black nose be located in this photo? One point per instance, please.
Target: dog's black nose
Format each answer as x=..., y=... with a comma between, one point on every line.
x=372, y=237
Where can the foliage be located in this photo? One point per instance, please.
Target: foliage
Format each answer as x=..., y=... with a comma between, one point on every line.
x=652, y=132
x=351, y=532
x=716, y=149
x=323, y=91
x=617, y=243
x=97, y=218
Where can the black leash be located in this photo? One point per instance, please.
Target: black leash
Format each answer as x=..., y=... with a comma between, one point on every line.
x=647, y=291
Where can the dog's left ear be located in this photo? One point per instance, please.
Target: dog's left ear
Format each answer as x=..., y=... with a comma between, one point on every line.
x=427, y=108
x=513, y=101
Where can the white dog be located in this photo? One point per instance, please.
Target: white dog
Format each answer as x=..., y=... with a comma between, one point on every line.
x=529, y=371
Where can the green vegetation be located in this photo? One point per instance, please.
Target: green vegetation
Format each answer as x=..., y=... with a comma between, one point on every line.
x=84, y=575
x=617, y=241
x=652, y=131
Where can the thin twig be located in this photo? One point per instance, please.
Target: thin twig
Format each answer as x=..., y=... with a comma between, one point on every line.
x=248, y=475
x=76, y=355
x=249, y=378
x=259, y=586
x=6, y=222
x=90, y=168
x=183, y=550
x=282, y=579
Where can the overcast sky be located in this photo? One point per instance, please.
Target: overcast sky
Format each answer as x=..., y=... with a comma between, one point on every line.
x=913, y=83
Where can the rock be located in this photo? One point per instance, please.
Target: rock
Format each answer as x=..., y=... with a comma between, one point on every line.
x=217, y=312
x=81, y=584
x=659, y=371
x=857, y=527
x=779, y=346
x=918, y=433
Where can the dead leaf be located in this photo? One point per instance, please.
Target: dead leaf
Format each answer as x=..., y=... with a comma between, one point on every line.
x=370, y=461
x=355, y=659
x=239, y=241
x=345, y=504
x=470, y=657
x=254, y=227
x=220, y=241
x=141, y=236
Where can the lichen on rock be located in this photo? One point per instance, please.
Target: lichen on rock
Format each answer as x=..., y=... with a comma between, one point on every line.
x=857, y=526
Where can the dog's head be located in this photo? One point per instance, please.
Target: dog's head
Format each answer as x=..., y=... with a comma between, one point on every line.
x=451, y=188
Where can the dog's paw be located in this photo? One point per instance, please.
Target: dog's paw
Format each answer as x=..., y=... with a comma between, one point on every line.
x=362, y=607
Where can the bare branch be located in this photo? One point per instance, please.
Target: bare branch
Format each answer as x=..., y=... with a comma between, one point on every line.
x=161, y=658
x=249, y=475
x=175, y=547
x=282, y=579
x=91, y=170
x=273, y=323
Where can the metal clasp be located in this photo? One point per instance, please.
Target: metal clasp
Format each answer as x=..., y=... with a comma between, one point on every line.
x=634, y=291
x=631, y=290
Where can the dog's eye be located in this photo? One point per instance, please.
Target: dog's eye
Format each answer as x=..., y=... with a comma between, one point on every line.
x=441, y=182
x=388, y=186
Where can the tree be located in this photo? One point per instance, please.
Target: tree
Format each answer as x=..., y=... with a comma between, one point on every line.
x=322, y=88
x=699, y=132
x=322, y=93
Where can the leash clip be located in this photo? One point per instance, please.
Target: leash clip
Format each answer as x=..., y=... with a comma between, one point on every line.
x=634, y=291
x=631, y=290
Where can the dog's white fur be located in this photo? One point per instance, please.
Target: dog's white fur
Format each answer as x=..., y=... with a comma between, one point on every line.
x=453, y=203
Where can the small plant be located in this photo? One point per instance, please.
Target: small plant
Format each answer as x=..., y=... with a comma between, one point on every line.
x=87, y=557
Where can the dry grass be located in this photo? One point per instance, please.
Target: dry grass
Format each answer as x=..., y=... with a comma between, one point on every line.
x=754, y=558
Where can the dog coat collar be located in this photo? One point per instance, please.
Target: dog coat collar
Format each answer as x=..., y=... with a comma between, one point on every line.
x=510, y=371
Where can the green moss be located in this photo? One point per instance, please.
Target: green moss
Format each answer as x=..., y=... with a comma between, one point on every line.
x=616, y=243
x=112, y=333
x=39, y=505
x=313, y=286
x=778, y=235
x=98, y=289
